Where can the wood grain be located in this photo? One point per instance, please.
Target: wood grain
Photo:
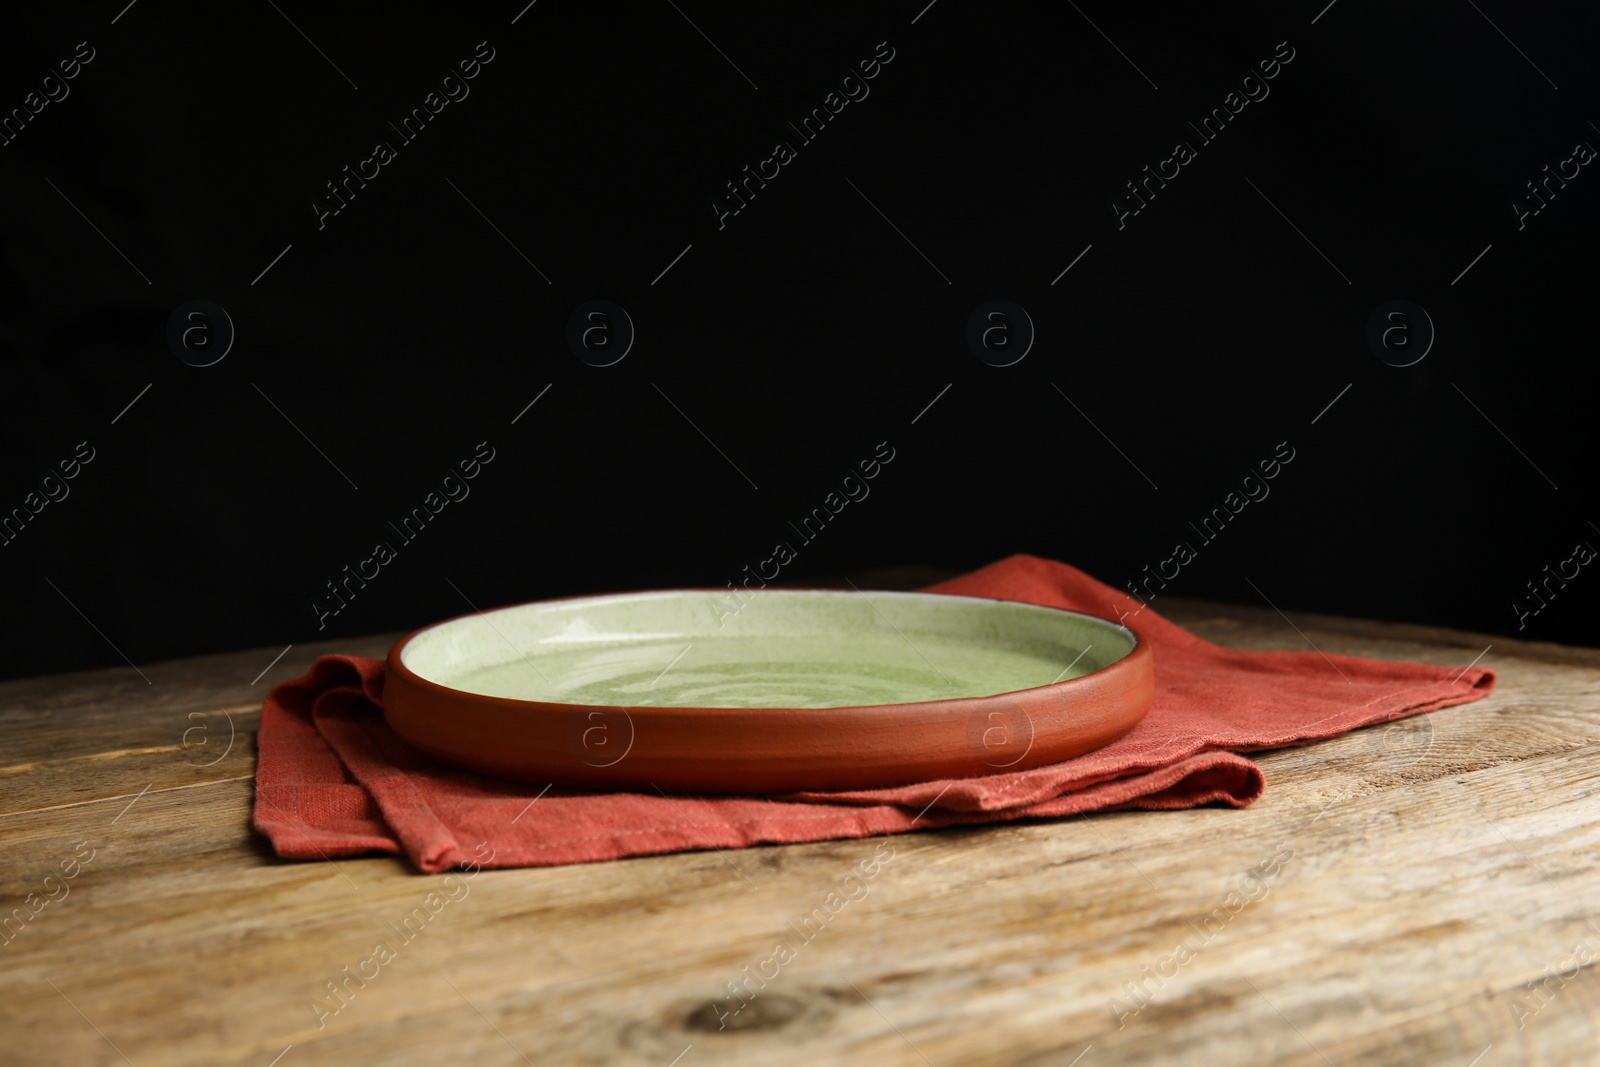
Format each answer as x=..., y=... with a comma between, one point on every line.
x=1432, y=901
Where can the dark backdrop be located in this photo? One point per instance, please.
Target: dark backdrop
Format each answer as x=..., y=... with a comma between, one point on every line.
x=375, y=348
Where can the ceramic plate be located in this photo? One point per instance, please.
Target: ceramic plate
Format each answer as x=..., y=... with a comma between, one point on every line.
x=778, y=691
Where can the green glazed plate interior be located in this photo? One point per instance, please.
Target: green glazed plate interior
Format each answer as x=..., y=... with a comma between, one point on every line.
x=767, y=649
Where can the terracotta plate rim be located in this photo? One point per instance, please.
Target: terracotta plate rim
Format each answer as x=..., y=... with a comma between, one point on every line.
x=394, y=662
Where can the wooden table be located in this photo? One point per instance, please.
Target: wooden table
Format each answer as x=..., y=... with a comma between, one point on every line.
x=1433, y=888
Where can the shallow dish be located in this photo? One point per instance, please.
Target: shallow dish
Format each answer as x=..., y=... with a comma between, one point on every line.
x=776, y=691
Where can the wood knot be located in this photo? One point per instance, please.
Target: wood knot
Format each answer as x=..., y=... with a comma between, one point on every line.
x=767, y=1011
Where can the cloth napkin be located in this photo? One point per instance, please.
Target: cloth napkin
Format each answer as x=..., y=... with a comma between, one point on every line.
x=333, y=780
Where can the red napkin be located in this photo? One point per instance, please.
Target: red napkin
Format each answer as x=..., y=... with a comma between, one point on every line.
x=333, y=780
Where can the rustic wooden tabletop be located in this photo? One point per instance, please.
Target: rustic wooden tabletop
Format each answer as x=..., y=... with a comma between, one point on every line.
x=1424, y=892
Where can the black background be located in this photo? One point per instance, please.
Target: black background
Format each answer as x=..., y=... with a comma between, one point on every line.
x=415, y=324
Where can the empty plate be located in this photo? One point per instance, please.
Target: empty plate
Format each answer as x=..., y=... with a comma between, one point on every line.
x=772, y=691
